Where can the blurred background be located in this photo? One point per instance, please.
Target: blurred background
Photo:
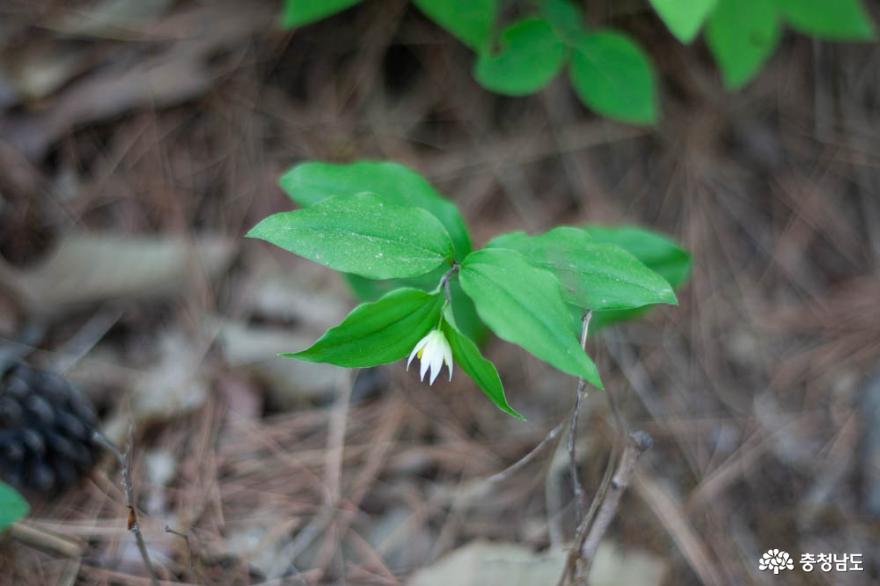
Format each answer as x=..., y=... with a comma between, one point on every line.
x=139, y=140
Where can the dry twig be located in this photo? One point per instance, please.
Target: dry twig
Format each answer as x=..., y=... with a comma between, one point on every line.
x=528, y=458
x=44, y=540
x=125, y=463
x=593, y=528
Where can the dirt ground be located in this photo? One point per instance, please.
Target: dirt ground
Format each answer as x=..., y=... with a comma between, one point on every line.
x=140, y=140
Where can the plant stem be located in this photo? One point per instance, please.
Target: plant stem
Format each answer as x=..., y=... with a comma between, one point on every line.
x=593, y=527
x=125, y=463
x=580, y=394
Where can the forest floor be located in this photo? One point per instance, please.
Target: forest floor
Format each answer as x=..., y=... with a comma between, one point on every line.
x=140, y=140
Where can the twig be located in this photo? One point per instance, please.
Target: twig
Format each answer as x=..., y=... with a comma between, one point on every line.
x=125, y=463
x=592, y=529
x=197, y=571
x=76, y=348
x=580, y=394
x=673, y=518
x=44, y=540
x=528, y=458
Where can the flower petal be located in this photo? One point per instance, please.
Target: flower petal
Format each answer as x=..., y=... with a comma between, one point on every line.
x=436, y=360
x=446, y=351
x=411, y=356
x=435, y=370
x=425, y=360
x=419, y=345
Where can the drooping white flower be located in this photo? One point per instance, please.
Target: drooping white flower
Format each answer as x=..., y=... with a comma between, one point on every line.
x=432, y=350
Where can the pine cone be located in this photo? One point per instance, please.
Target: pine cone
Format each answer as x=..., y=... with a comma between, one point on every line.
x=46, y=430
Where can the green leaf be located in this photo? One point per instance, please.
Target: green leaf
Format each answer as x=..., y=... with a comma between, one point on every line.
x=471, y=21
x=370, y=290
x=657, y=251
x=531, y=55
x=466, y=318
x=565, y=16
x=12, y=506
x=300, y=12
x=742, y=35
x=379, y=332
x=684, y=17
x=312, y=182
x=466, y=355
x=523, y=305
x=362, y=234
x=613, y=76
x=837, y=20
x=593, y=275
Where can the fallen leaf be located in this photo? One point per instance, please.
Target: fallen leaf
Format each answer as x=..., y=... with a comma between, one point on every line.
x=87, y=268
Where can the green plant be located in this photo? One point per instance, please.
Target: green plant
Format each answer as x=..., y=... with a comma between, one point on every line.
x=12, y=506
x=610, y=73
x=407, y=250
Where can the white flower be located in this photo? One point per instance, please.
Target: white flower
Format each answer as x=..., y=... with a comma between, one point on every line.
x=433, y=350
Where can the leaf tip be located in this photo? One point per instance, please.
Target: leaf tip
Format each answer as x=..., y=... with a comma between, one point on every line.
x=596, y=380
x=258, y=230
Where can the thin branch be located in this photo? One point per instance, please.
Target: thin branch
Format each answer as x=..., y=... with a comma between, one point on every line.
x=585, y=523
x=125, y=463
x=44, y=540
x=592, y=529
x=528, y=458
x=580, y=395
x=196, y=569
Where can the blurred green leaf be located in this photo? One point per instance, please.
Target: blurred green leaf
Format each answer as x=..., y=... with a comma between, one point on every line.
x=379, y=332
x=300, y=12
x=312, y=182
x=524, y=305
x=683, y=17
x=471, y=21
x=362, y=234
x=614, y=77
x=12, y=506
x=837, y=20
x=467, y=356
x=530, y=56
x=565, y=16
x=742, y=35
x=594, y=275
